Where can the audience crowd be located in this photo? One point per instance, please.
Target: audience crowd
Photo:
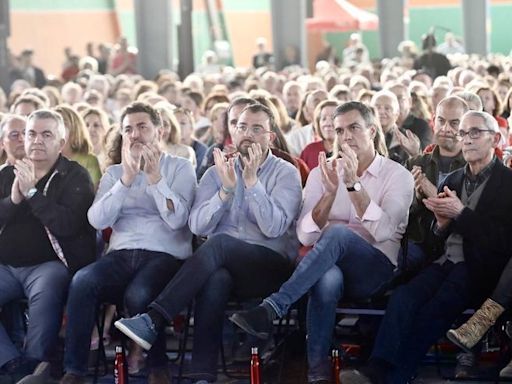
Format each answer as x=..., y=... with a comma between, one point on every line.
x=148, y=195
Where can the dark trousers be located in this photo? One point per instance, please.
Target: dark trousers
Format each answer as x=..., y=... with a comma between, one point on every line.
x=45, y=287
x=418, y=314
x=133, y=276
x=223, y=266
x=503, y=292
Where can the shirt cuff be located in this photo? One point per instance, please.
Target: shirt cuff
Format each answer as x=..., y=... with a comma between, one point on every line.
x=373, y=212
x=217, y=203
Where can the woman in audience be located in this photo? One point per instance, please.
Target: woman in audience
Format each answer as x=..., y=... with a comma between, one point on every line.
x=171, y=134
x=491, y=104
x=186, y=123
x=324, y=129
x=220, y=136
x=96, y=122
x=78, y=145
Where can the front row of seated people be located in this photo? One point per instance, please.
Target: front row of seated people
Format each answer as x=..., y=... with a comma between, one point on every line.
x=354, y=213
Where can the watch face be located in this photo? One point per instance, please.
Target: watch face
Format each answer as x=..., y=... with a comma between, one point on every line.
x=357, y=187
x=31, y=192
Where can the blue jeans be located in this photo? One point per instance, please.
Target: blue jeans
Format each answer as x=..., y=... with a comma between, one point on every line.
x=13, y=320
x=338, y=265
x=221, y=268
x=134, y=276
x=414, y=260
x=418, y=313
x=45, y=286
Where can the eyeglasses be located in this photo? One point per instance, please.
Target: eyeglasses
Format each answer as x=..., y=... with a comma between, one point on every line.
x=473, y=133
x=253, y=131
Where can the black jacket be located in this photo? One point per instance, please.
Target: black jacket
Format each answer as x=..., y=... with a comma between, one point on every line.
x=420, y=218
x=486, y=231
x=63, y=210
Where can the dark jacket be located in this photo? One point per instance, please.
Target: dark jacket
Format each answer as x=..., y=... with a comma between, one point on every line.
x=420, y=128
x=434, y=63
x=486, y=231
x=63, y=210
x=420, y=218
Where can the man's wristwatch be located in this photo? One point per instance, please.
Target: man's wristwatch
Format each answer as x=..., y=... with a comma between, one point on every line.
x=355, y=188
x=31, y=192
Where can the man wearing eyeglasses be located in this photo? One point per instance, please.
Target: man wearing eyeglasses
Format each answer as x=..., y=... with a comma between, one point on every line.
x=12, y=138
x=247, y=207
x=429, y=171
x=473, y=228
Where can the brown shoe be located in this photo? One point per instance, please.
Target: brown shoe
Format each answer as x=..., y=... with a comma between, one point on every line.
x=159, y=375
x=470, y=333
x=71, y=378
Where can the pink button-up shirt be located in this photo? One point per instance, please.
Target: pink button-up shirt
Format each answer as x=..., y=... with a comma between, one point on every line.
x=390, y=187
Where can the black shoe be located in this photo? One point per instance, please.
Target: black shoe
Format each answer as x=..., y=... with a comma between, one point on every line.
x=18, y=368
x=256, y=321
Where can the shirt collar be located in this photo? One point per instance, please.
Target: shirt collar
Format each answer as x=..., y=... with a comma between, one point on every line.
x=483, y=174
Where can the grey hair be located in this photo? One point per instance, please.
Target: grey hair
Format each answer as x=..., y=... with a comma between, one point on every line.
x=7, y=120
x=472, y=100
x=490, y=122
x=388, y=93
x=41, y=114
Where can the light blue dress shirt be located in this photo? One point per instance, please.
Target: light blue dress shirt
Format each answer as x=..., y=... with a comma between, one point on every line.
x=139, y=216
x=264, y=214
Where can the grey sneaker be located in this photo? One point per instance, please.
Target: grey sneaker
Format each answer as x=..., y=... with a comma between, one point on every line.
x=139, y=328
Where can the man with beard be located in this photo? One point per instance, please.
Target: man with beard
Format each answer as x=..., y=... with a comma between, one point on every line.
x=247, y=207
x=146, y=200
x=429, y=171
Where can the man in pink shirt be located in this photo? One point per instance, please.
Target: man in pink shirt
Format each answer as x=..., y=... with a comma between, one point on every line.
x=355, y=213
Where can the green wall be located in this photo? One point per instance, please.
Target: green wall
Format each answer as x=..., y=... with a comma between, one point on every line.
x=72, y=5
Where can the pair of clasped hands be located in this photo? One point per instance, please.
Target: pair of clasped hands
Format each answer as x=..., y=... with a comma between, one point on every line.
x=24, y=180
x=226, y=167
x=147, y=160
x=445, y=205
x=330, y=173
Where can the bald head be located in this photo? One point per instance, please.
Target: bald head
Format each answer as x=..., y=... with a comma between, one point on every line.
x=449, y=114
